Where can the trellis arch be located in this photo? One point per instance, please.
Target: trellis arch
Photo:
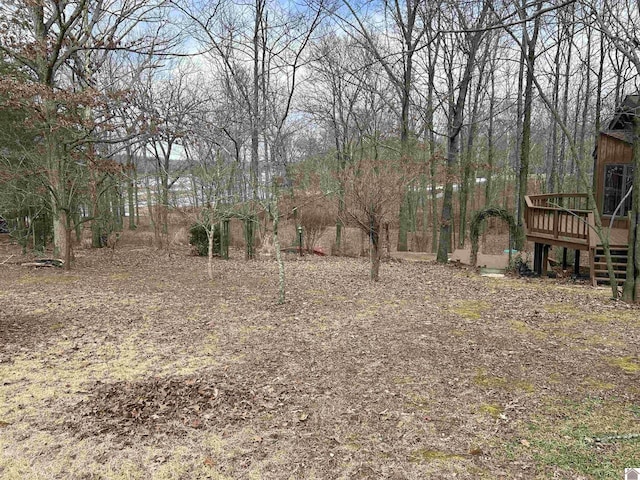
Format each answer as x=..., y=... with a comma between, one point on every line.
x=476, y=221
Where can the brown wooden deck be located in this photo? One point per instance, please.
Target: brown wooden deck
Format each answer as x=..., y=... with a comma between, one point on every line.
x=559, y=219
x=566, y=220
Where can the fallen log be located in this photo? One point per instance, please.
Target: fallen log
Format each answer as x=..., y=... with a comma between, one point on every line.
x=45, y=262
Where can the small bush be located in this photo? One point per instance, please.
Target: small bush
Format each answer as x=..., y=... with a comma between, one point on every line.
x=41, y=228
x=199, y=239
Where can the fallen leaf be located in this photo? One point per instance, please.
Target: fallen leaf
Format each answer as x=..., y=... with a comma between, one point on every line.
x=525, y=442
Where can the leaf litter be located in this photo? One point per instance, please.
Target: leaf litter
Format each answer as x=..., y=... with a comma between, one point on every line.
x=140, y=354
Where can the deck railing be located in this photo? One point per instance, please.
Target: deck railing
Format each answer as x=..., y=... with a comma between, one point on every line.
x=559, y=215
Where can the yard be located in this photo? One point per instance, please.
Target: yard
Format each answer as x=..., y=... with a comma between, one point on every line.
x=135, y=366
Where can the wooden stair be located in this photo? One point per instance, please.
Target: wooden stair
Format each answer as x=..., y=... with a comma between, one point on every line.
x=599, y=273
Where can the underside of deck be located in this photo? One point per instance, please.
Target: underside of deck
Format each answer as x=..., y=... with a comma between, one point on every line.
x=617, y=236
x=567, y=242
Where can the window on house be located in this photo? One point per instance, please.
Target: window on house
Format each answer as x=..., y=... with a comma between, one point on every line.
x=617, y=182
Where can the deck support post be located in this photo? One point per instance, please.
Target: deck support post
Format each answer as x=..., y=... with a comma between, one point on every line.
x=576, y=266
x=537, y=258
x=545, y=259
x=564, y=258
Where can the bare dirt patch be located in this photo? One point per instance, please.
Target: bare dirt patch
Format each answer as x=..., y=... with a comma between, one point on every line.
x=136, y=365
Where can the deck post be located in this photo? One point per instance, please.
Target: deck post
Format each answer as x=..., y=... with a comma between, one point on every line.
x=545, y=259
x=576, y=267
x=564, y=258
x=537, y=258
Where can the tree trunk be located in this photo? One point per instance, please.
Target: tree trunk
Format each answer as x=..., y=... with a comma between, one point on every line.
x=339, y=225
x=275, y=221
x=136, y=194
x=340, y=160
x=119, y=207
x=131, y=204
x=255, y=95
x=153, y=211
x=631, y=291
x=210, y=237
x=519, y=123
x=375, y=254
x=164, y=202
x=404, y=222
x=455, y=126
x=526, y=127
x=249, y=234
x=573, y=163
x=492, y=100
x=67, y=244
x=587, y=95
x=456, y=117
x=433, y=56
x=552, y=178
x=598, y=107
x=569, y=29
x=130, y=168
x=96, y=216
x=59, y=230
x=434, y=197
x=467, y=183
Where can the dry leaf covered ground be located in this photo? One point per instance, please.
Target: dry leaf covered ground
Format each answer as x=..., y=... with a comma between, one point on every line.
x=136, y=366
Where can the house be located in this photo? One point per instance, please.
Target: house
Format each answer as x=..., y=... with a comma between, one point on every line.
x=613, y=168
x=566, y=220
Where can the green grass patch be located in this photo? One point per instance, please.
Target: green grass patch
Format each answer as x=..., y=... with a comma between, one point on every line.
x=521, y=327
x=503, y=383
x=591, y=384
x=628, y=364
x=563, y=308
x=562, y=436
x=491, y=409
x=48, y=280
x=471, y=309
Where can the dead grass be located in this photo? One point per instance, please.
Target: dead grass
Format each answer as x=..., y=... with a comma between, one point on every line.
x=136, y=366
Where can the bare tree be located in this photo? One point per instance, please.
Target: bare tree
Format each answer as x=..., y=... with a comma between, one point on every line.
x=620, y=23
x=470, y=42
x=335, y=100
x=169, y=102
x=50, y=39
x=374, y=188
x=529, y=42
x=272, y=40
x=396, y=56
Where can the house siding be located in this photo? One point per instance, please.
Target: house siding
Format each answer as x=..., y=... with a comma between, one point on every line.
x=611, y=151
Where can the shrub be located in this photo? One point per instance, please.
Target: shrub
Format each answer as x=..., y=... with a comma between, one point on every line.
x=315, y=219
x=199, y=239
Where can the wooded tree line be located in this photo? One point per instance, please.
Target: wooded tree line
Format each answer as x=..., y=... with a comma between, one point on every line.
x=110, y=105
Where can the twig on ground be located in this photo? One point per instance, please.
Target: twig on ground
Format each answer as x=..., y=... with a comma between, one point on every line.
x=612, y=438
